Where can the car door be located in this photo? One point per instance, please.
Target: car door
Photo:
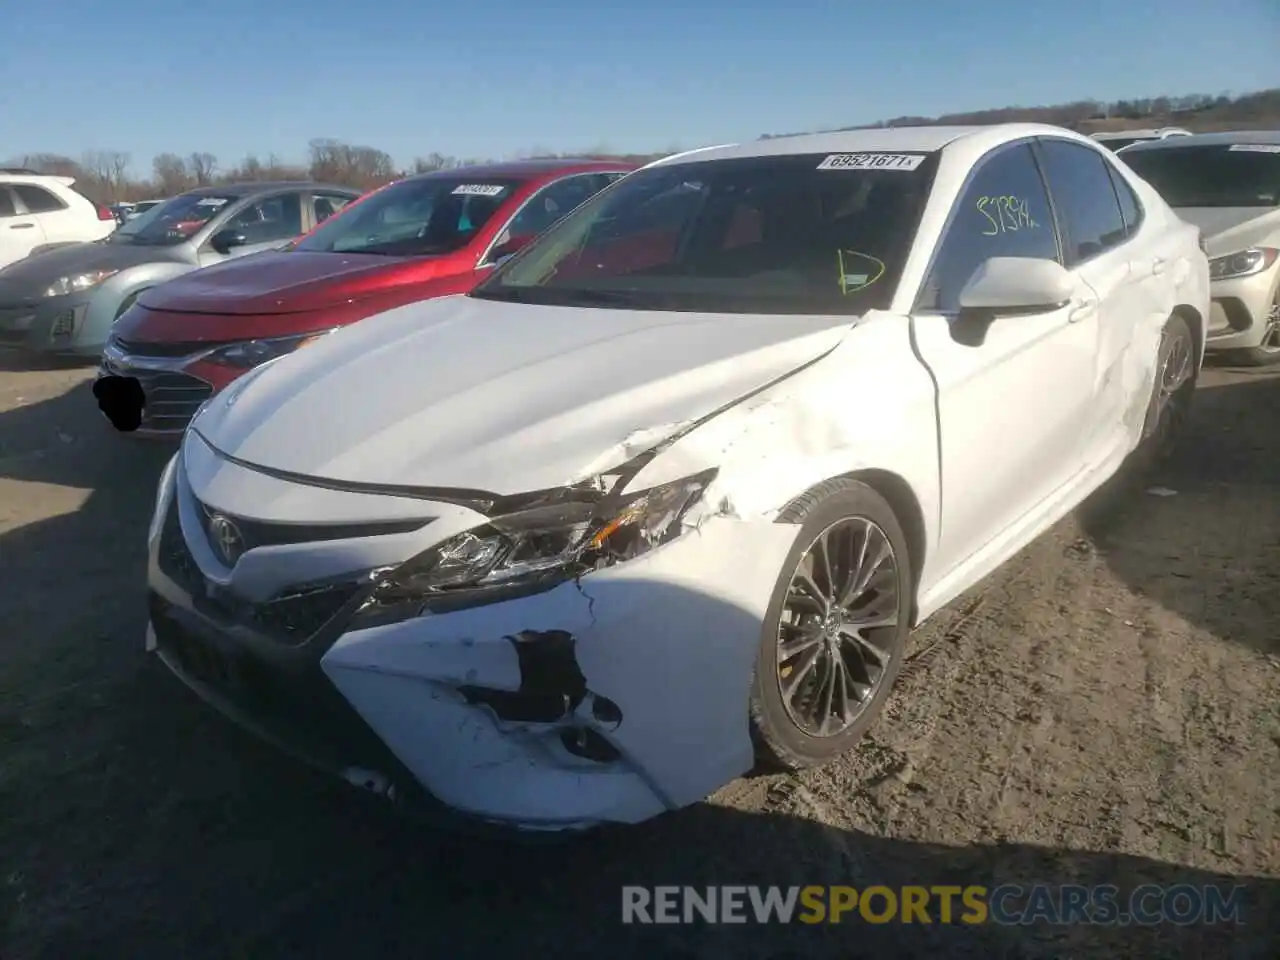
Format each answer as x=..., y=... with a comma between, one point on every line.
x=1126, y=270
x=58, y=222
x=1010, y=408
x=549, y=204
x=265, y=223
x=20, y=232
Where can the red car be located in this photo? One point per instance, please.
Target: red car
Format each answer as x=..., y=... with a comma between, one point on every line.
x=426, y=236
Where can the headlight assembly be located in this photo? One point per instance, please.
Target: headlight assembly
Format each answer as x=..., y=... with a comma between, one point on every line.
x=532, y=550
x=252, y=353
x=1245, y=263
x=77, y=282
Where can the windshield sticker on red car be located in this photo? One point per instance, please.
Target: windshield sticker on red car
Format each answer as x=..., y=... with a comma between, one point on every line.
x=212, y=202
x=478, y=190
x=1255, y=147
x=872, y=161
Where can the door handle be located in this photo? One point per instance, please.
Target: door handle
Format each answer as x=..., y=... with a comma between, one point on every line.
x=1159, y=265
x=1082, y=308
x=22, y=226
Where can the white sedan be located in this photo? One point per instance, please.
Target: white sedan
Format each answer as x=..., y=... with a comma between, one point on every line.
x=663, y=498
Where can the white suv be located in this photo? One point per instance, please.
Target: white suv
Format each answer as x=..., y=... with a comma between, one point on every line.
x=38, y=212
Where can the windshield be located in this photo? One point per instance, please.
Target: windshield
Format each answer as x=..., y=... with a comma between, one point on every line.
x=172, y=221
x=789, y=234
x=1238, y=175
x=431, y=215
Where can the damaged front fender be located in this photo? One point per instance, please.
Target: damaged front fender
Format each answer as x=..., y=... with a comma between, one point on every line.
x=612, y=698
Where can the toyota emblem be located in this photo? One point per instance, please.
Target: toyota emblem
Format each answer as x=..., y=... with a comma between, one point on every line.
x=226, y=539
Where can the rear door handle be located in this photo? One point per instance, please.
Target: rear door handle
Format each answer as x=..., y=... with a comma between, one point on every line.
x=1159, y=265
x=22, y=226
x=1083, y=308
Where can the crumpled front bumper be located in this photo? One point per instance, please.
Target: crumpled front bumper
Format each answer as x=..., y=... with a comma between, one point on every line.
x=606, y=700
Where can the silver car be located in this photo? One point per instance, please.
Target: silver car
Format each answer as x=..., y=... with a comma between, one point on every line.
x=66, y=300
x=1228, y=185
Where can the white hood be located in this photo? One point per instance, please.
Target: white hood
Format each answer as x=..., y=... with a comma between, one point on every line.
x=1230, y=229
x=500, y=397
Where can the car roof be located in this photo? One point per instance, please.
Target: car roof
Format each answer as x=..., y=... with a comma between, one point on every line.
x=1222, y=138
x=923, y=139
x=21, y=175
x=256, y=187
x=529, y=169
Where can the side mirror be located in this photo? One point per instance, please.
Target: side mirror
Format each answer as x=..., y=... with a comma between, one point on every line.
x=1009, y=285
x=224, y=241
x=507, y=247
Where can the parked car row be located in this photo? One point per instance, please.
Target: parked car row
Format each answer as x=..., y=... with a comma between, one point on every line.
x=425, y=236
x=125, y=212
x=559, y=494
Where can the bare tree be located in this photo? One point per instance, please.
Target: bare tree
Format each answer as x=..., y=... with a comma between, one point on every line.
x=333, y=161
x=434, y=161
x=170, y=174
x=202, y=166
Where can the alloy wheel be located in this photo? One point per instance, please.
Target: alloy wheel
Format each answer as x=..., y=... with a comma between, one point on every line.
x=835, y=635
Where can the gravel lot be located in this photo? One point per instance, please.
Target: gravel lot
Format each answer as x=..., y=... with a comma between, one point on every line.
x=1104, y=710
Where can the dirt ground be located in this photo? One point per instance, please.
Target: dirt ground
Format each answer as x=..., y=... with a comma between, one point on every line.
x=1104, y=710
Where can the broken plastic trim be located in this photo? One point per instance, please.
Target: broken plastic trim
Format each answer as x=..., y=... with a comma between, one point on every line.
x=532, y=551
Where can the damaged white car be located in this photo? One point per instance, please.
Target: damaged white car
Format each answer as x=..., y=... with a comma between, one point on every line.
x=663, y=498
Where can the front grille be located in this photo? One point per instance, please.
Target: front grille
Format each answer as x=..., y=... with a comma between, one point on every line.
x=261, y=533
x=292, y=617
x=166, y=350
x=172, y=399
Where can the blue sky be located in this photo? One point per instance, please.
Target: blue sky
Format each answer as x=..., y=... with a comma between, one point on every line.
x=504, y=77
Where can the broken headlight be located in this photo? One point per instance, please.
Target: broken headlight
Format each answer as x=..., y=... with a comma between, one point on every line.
x=533, y=550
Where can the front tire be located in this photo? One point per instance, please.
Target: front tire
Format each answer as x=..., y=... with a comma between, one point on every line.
x=835, y=633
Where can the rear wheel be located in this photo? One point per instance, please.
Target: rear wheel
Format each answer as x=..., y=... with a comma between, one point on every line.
x=1172, y=393
x=1268, y=351
x=836, y=628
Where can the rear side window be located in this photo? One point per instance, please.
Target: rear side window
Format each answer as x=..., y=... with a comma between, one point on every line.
x=1088, y=211
x=269, y=219
x=7, y=209
x=325, y=205
x=1003, y=212
x=37, y=199
x=1130, y=208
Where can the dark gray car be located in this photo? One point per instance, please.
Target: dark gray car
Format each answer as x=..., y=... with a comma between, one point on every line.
x=65, y=301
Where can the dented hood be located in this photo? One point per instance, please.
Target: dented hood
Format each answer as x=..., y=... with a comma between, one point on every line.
x=502, y=397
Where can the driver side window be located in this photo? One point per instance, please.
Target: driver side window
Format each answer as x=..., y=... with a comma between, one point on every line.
x=1003, y=212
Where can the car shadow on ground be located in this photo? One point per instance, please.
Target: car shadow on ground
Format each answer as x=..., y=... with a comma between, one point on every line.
x=134, y=822
x=1218, y=565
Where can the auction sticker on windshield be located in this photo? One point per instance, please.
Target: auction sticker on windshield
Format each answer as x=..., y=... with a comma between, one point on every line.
x=1255, y=147
x=212, y=202
x=478, y=190
x=872, y=161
